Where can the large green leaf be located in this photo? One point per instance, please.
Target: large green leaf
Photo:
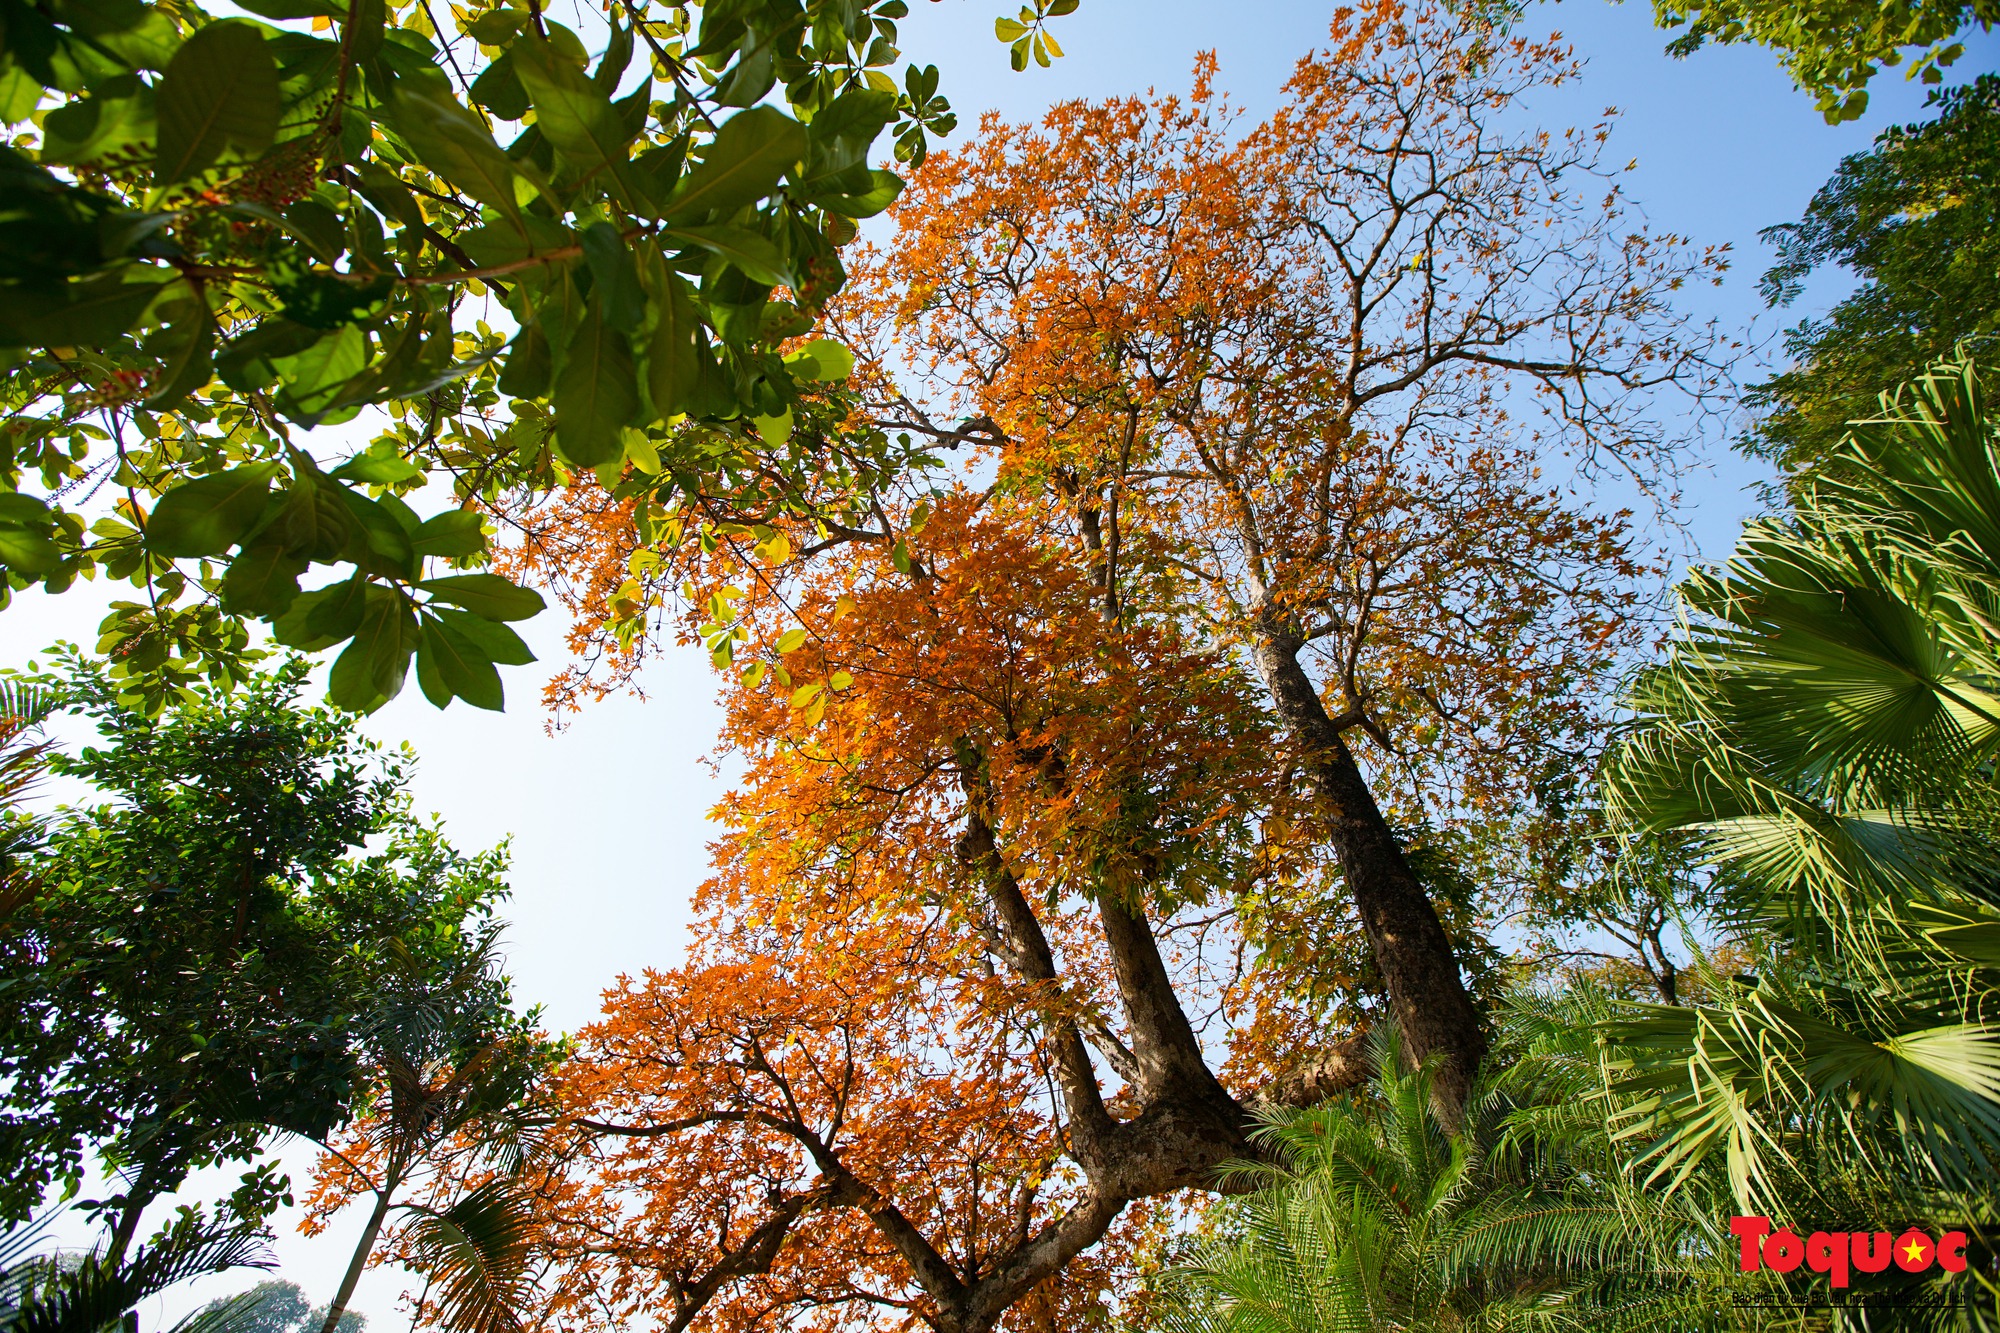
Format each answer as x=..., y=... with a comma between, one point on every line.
x=220, y=91
x=454, y=143
x=579, y=120
x=596, y=392
x=486, y=595
x=370, y=671
x=459, y=665
x=753, y=254
x=751, y=153
x=208, y=515
x=87, y=313
x=673, y=362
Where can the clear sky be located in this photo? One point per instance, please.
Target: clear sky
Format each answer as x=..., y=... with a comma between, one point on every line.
x=608, y=818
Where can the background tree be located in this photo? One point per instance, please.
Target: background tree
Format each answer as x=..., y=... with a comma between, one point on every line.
x=189, y=974
x=1372, y=1214
x=443, y=1062
x=277, y=1306
x=1914, y=219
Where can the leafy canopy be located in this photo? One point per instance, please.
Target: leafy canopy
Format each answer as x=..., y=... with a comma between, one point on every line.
x=223, y=234
x=1833, y=48
x=1915, y=218
x=192, y=961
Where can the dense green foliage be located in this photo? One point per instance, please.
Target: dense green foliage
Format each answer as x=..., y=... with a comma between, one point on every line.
x=221, y=234
x=1827, y=730
x=201, y=960
x=1833, y=48
x=1371, y=1215
x=1917, y=219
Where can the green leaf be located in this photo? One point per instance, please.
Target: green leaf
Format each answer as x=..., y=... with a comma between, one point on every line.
x=459, y=664
x=499, y=643
x=89, y=313
x=245, y=362
x=28, y=552
x=456, y=532
x=189, y=363
x=1007, y=29
x=596, y=392
x=822, y=359
x=577, y=118
x=454, y=143
x=529, y=366
x=430, y=680
x=295, y=9
x=495, y=26
x=486, y=595
x=371, y=670
x=614, y=278
x=673, y=362
x=498, y=88
x=263, y=579
x=220, y=91
x=751, y=153
x=756, y=257
x=323, y=617
x=380, y=545
x=377, y=469
x=208, y=515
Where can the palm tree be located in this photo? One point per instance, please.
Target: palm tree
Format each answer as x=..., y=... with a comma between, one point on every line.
x=1370, y=1215
x=46, y=1292
x=452, y=1068
x=1825, y=730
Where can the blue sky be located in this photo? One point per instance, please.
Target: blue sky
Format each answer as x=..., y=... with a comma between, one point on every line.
x=608, y=818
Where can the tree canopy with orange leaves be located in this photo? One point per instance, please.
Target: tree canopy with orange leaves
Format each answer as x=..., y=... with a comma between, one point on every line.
x=1230, y=670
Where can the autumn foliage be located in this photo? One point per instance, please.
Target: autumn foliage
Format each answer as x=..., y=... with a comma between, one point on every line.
x=1109, y=778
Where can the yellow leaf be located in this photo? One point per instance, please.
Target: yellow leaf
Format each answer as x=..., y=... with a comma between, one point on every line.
x=840, y=680
x=790, y=640
x=805, y=694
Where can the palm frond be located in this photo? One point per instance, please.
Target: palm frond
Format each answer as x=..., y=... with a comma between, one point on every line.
x=477, y=1254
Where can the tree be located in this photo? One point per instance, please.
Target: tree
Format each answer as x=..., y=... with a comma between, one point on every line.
x=1824, y=732
x=1914, y=218
x=443, y=1061
x=1270, y=385
x=1024, y=846
x=228, y=232
x=277, y=1307
x=188, y=972
x=1834, y=48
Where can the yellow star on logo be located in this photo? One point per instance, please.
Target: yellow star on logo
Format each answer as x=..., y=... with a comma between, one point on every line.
x=1914, y=1250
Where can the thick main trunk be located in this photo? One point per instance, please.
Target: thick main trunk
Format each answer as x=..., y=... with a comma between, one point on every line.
x=1420, y=969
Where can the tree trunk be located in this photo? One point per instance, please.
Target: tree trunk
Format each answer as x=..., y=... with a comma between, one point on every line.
x=1426, y=993
x=338, y=1306
x=134, y=1207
